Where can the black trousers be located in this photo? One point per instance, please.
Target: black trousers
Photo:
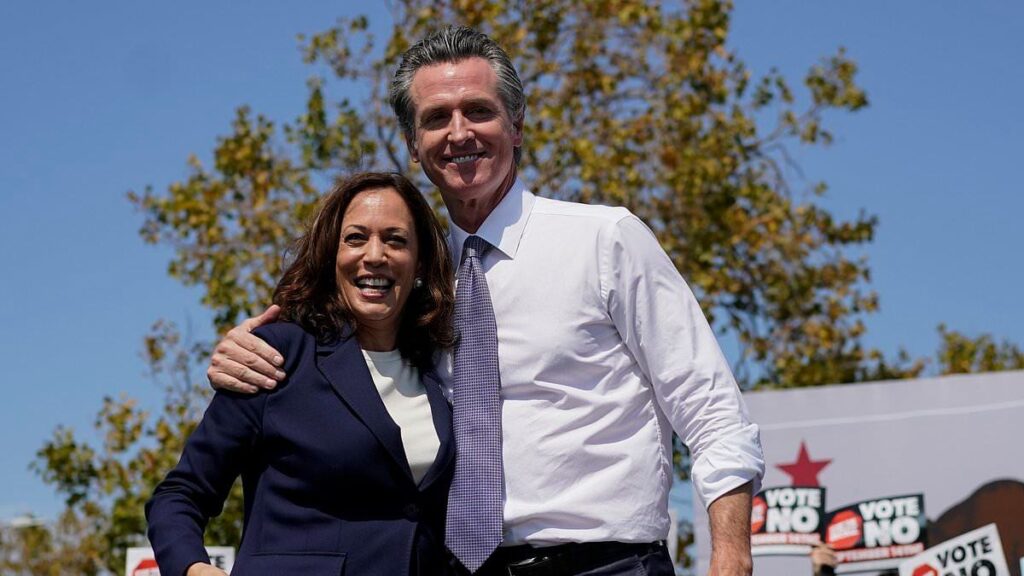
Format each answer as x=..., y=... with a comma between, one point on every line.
x=590, y=559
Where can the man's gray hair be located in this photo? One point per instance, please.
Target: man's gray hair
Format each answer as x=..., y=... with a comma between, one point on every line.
x=449, y=45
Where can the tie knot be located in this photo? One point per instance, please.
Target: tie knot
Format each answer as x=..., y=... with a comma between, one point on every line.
x=474, y=247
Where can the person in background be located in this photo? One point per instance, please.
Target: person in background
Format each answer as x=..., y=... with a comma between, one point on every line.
x=824, y=562
x=346, y=464
x=581, y=349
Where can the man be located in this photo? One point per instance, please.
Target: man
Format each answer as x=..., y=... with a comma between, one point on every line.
x=600, y=349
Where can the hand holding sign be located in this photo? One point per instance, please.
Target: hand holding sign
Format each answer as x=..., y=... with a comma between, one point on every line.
x=823, y=560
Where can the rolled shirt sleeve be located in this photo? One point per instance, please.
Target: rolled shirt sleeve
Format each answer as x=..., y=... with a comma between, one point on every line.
x=664, y=328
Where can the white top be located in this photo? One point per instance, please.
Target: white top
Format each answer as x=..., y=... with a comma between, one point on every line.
x=405, y=398
x=602, y=351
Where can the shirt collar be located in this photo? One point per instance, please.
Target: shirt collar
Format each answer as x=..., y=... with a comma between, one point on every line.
x=503, y=227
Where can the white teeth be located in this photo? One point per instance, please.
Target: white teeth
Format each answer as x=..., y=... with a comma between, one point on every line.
x=465, y=158
x=374, y=283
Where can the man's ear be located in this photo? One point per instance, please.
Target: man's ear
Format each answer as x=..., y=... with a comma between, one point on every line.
x=411, y=145
x=517, y=133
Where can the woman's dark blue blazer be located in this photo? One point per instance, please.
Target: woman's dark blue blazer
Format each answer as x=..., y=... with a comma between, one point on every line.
x=328, y=489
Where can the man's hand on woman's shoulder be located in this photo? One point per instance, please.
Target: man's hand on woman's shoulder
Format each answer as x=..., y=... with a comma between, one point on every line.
x=243, y=362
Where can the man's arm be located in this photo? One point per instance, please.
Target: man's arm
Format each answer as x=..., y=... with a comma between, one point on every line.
x=663, y=326
x=242, y=362
x=730, y=533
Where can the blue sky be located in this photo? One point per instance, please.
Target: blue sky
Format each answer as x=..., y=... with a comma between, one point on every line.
x=102, y=98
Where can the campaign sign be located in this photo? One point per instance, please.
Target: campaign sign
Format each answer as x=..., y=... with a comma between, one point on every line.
x=786, y=520
x=976, y=553
x=879, y=531
x=141, y=562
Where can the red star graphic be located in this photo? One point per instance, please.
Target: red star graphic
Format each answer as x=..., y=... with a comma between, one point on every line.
x=804, y=471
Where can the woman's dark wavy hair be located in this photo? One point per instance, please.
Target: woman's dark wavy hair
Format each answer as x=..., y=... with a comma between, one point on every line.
x=309, y=295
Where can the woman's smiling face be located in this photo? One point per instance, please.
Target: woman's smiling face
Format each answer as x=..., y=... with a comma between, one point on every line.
x=377, y=264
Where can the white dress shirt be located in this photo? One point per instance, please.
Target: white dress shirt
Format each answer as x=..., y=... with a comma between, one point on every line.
x=602, y=351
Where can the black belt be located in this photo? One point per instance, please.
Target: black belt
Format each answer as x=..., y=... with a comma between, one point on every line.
x=562, y=559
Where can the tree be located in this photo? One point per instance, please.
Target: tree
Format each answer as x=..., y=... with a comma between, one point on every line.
x=33, y=547
x=961, y=354
x=105, y=488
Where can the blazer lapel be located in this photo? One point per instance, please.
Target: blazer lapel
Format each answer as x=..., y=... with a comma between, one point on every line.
x=343, y=365
x=441, y=413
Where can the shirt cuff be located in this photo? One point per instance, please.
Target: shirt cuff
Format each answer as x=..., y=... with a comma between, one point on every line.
x=729, y=462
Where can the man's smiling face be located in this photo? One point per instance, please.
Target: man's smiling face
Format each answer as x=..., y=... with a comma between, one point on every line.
x=464, y=137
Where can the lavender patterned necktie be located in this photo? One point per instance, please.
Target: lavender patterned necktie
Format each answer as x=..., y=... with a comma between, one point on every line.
x=475, y=503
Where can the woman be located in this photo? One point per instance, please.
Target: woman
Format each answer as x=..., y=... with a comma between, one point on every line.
x=346, y=464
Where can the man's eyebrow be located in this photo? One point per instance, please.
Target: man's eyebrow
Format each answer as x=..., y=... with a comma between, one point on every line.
x=426, y=110
x=474, y=101
x=479, y=101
